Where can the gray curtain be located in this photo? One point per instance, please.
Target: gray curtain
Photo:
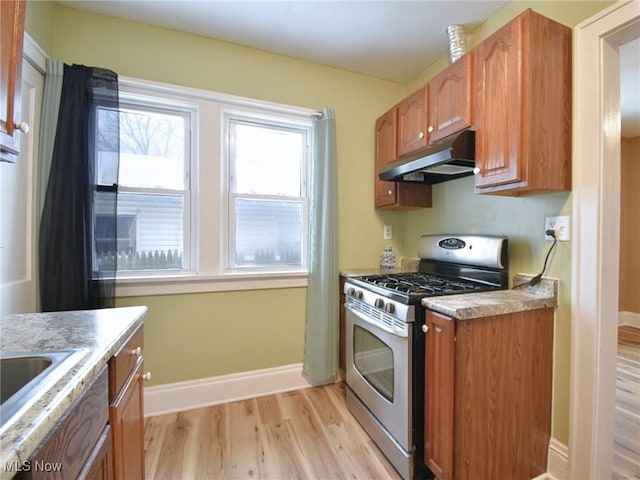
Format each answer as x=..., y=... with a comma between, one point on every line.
x=322, y=332
x=48, y=123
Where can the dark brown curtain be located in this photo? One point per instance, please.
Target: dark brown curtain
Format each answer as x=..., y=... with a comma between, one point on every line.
x=70, y=277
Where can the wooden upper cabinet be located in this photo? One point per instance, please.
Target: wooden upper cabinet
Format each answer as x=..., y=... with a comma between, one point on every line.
x=12, y=14
x=450, y=99
x=385, y=153
x=395, y=195
x=412, y=123
x=523, y=121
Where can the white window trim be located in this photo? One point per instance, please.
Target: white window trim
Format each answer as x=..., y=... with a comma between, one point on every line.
x=207, y=237
x=251, y=116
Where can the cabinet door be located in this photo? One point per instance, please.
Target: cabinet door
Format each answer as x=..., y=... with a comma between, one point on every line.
x=500, y=97
x=385, y=153
x=412, y=123
x=126, y=417
x=12, y=14
x=99, y=466
x=450, y=99
x=439, y=394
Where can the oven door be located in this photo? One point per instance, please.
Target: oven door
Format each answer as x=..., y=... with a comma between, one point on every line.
x=378, y=371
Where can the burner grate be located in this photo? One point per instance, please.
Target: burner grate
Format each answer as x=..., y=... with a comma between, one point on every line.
x=422, y=284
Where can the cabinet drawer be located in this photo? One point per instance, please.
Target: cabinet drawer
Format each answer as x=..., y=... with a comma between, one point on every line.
x=123, y=363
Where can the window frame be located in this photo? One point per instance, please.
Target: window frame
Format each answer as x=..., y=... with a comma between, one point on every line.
x=207, y=182
x=285, y=123
x=138, y=102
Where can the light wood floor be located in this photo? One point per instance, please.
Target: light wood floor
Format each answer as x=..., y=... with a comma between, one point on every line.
x=304, y=434
x=626, y=448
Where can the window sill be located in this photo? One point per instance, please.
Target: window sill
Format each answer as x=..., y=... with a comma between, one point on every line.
x=192, y=283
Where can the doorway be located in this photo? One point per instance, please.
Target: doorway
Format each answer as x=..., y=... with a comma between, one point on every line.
x=596, y=255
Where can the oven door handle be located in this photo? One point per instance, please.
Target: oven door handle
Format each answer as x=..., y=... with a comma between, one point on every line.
x=381, y=326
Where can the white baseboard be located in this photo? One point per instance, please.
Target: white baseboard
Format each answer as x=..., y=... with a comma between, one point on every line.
x=181, y=396
x=558, y=460
x=629, y=318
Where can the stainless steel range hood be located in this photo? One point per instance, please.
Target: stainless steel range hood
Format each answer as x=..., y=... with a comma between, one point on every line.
x=453, y=157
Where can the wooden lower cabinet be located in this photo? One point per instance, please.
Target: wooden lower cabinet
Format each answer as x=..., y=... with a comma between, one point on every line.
x=488, y=384
x=126, y=408
x=75, y=447
x=126, y=419
x=342, y=353
x=100, y=463
x=101, y=437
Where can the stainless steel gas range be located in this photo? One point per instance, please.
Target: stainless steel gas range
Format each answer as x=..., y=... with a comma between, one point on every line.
x=385, y=361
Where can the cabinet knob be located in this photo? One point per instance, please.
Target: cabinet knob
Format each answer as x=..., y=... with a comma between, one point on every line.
x=136, y=351
x=390, y=192
x=22, y=126
x=430, y=129
x=146, y=376
x=425, y=328
x=476, y=170
x=421, y=135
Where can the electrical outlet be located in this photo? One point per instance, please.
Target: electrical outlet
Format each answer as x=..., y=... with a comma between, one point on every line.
x=560, y=225
x=387, y=232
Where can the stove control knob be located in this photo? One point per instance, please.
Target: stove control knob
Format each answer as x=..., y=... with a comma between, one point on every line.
x=390, y=308
x=351, y=292
x=358, y=295
x=378, y=303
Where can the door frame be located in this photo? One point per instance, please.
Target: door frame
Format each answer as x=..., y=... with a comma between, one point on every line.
x=596, y=218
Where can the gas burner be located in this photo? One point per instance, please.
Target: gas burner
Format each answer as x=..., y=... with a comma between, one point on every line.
x=421, y=284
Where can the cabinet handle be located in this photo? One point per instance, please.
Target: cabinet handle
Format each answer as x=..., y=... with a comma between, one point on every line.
x=421, y=135
x=22, y=126
x=430, y=129
x=146, y=377
x=136, y=351
x=425, y=328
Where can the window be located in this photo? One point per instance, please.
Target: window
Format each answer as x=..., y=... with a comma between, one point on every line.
x=267, y=198
x=213, y=191
x=153, y=177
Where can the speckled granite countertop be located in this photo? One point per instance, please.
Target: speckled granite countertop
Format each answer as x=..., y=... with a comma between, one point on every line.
x=484, y=304
x=95, y=335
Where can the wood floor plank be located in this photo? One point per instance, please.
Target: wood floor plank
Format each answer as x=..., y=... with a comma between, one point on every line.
x=172, y=452
x=212, y=442
x=154, y=433
x=318, y=453
x=246, y=457
x=305, y=434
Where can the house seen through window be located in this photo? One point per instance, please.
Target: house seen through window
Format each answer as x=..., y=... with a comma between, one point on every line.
x=153, y=187
x=267, y=194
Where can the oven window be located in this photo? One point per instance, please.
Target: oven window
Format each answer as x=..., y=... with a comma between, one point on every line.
x=374, y=360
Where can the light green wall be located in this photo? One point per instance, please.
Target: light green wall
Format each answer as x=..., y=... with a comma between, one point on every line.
x=201, y=335
x=208, y=334
x=457, y=209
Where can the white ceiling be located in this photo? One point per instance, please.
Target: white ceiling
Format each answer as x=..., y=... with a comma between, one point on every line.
x=388, y=39
x=393, y=39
